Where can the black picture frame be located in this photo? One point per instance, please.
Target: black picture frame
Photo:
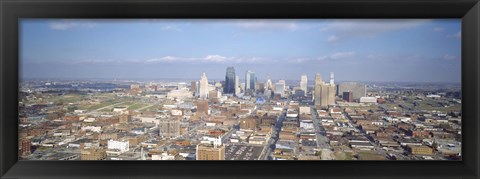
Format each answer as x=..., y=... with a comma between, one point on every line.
x=12, y=10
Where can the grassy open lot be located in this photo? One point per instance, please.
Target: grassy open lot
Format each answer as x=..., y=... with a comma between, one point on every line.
x=151, y=108
x=136, y=106
x=69, y=98
x=339, y=155
x=430, y=106
x=370, y=155
x=101, y=104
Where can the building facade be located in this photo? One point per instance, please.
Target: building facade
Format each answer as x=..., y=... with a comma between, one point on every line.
x=122, y=146
x=93, y=154
x=169, y=128
x=358, y=90
x=303, y=83
x=324, y=94
x=210, y=152
x=250, y=81
x=230, y=81
x=280, y=89
x=203, y=87
x=347, y=96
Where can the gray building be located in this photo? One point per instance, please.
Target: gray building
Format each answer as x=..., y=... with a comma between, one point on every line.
x=169, y=128
x=250, y=81
x=358, y=89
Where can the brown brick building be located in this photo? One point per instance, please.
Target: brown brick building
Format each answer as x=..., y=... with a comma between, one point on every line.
x=210, y=152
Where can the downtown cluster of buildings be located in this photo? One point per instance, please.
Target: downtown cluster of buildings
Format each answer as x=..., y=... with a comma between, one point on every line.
x=229, y=120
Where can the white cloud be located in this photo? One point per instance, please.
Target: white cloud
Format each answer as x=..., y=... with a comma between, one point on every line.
x=438, y=29
x=449, y=57
x=170, y=28
x=70, y=24
x=215, y=58
x=345, y=29
x=164, y=59
x=332, y=39
x=268, y=25
x=207, y=59
x=457, y=35
x=338, y=55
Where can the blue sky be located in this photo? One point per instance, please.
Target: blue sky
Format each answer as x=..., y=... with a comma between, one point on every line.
x=415, y=50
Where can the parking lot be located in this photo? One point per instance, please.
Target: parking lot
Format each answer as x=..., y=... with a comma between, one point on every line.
x=242, y=152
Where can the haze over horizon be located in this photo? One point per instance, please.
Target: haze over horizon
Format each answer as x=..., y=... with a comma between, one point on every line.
x=355, y=50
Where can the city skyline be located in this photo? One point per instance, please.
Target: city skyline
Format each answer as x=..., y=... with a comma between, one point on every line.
x=356, y=50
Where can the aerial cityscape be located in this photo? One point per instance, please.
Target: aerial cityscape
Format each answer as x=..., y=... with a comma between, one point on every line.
x=262, y=99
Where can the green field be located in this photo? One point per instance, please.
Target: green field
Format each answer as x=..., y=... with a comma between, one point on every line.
x=370, y=155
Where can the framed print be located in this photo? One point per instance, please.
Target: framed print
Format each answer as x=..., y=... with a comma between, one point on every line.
x=318, y=89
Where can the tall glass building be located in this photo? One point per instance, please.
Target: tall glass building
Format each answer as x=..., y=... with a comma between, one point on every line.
x=250, y=80
x=229, y=81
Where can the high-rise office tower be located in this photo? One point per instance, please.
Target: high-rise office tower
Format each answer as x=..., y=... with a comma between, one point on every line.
x=324, y=94
x=316, y=88
x=331, y=90
x=253, y=81
x=237, y=86
x=203, y=87
x=303, y=83
x=280, y=88
x=247, y=79
x=250, y=81
x=268, y=84
x=229, y=81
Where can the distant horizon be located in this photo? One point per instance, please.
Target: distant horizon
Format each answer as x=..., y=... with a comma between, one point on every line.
x=145, y=80
x=369, y=50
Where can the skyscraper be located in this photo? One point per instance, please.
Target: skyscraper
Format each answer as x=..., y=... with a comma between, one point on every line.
x=203, y=87
x=268, y=84
x=316, y=92
x=324, y=94
x=303, y=83
x=229, y=81
x=247, y=79
x=331, y=90
x=237, y=86
x=253, y=81
x=250, y=81
x=280, y=88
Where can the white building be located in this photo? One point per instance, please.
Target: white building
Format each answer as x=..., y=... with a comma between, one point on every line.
x=203, y=87
x=118, y=145
x=163, y=156
x=306, y=124
x=303, y=83
x=368, y=100
x=280, y=88
x=305, y=110
x=180, y=94
x=237, y=86
x=119, y=109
